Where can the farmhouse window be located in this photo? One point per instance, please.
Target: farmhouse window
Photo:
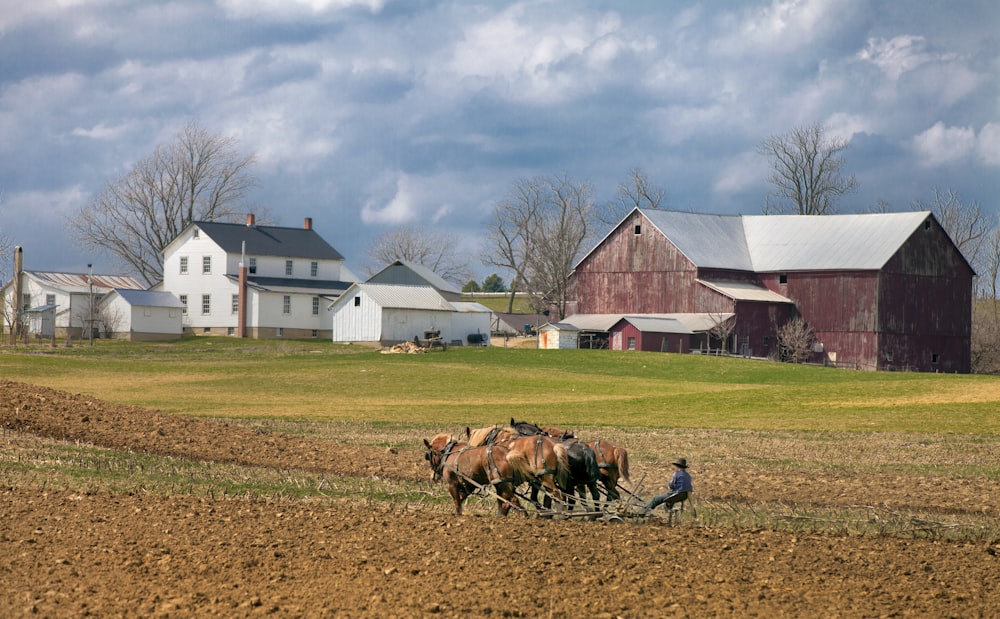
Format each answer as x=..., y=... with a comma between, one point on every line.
x=230, y=330
x=313, y=268
x=280, y=331
x=783, y=278
x=206, y=304
x=236, y=303
x=206, y=264
x=286, y=304
x=253, y=264
x=25, y=301
x=50, y=299
x=315, y=306
x=315, y=333
x=357, y=301
x=631, y=342
x=184, y=265
x=196, y=234
x=288, y=267
x=184, y=301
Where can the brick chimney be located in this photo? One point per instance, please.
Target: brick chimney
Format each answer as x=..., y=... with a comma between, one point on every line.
x=308, y=224
x=251, y=220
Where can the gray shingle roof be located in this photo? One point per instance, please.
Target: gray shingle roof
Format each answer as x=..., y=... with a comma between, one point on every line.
x=269, y=240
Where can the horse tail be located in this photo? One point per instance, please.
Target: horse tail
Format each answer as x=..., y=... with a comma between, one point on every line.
x=520, y=466
x=621, y=457
x=562, y=465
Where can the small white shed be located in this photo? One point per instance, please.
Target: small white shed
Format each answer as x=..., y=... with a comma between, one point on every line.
x=553, y=335
x=141, y=315
x=389, y=314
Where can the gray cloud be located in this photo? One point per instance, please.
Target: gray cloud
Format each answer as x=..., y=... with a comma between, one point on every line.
x=364, y=114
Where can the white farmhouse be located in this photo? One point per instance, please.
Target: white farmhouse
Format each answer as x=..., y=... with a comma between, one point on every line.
x=390, y=314
x=141, y=315
x=254, y=281
x=59, y=304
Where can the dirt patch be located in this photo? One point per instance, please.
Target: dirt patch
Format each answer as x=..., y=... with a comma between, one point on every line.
x=69, y=554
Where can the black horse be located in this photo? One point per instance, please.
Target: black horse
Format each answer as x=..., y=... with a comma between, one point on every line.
x=584, y=471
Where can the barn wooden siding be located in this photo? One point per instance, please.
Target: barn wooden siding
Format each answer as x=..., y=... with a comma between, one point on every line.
x=925, y=301
x=649, y=341
x=635, y=274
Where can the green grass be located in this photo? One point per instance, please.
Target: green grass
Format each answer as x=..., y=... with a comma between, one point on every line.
x=318, y=380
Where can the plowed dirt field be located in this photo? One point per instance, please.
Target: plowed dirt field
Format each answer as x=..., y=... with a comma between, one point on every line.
x=71, y=554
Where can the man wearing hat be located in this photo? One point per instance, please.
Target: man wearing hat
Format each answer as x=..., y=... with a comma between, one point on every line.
x=679, y=488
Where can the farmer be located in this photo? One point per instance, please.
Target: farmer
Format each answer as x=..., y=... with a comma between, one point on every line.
x=679, y=488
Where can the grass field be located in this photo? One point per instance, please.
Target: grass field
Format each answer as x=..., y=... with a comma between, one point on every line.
x=745, y=423
x=318, y=380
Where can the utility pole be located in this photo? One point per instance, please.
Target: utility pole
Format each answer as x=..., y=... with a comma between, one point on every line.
x=90, y=325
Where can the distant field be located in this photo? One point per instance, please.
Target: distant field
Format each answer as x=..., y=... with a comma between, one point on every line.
x=318, y=380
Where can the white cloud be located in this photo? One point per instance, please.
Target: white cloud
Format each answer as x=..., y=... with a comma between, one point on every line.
x=294, y=9
x=989, y=144
x=398, y=210
x=897, y=55
x=780, y=27
x=940, y=144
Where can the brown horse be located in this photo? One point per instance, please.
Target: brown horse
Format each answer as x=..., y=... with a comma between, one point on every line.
x=549, y=462
x=548, y=459
x=466, y=469
x=583, y=467
x=613, y=464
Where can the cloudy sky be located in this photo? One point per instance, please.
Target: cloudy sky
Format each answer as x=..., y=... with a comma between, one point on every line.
x=369, y=114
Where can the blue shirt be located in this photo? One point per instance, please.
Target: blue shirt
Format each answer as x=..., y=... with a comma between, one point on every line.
x=680, y=482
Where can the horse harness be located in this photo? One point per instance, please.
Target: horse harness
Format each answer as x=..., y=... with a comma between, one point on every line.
x=601, y=464
x=493, y=473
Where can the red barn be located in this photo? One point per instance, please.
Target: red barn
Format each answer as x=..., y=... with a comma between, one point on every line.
x=880, y=291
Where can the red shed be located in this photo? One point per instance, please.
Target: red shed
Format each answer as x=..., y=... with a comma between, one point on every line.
x=880, y=291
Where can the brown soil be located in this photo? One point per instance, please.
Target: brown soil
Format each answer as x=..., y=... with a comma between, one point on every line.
x=70, y=554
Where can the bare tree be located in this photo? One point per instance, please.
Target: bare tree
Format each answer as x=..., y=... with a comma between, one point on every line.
x=199, y=177
x=796, y=339
x=5, y=248
x=989, y=276
x=807, y=171
x=722, y=329
x=512, y=230
x=436, y=250
x=538, y=232
x=966, y=223
x=635, y=191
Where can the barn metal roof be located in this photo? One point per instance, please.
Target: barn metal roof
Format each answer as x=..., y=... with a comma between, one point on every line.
x=835, y=242
x=406, y=297
x=470, y=307
x=421, y=271
x=744, y=291
x=693, y=322
x=269, y=240
x=80, y=282
x=150, y=298
x=768, y=243
x=709, y=241
x=654, y=324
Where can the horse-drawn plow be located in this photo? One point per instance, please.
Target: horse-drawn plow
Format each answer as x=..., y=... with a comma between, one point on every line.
x=538, y=471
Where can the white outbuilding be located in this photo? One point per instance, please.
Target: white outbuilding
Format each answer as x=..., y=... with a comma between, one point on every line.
x=141, y=315
x=390, y=314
